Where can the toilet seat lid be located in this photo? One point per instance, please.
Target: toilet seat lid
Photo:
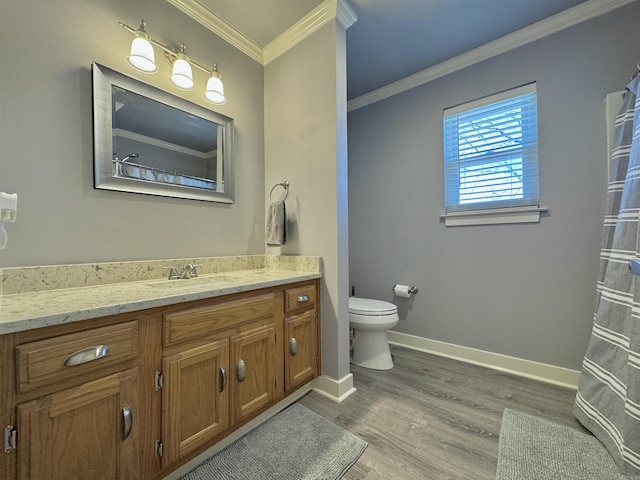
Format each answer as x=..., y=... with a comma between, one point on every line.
x=369, y=306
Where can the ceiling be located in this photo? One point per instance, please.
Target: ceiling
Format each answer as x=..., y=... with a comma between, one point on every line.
x=393, y=39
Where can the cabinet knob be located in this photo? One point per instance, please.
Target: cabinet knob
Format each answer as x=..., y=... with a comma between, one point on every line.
x=223, y=374
x=303, y=298
x=127, y=422
x=241, y=371
x=293, y=346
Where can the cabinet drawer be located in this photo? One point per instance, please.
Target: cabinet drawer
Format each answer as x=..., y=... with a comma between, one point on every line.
x=200, y=322
x=300, y=297
x=49, y=361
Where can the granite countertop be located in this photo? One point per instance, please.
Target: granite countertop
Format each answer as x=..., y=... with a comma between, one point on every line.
x=36, y=307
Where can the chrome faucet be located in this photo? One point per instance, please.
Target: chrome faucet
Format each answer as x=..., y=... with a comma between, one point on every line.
x=173, y=273
x=190, y=271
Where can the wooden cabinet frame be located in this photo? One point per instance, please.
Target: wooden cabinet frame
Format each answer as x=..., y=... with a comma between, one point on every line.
x=65, y=416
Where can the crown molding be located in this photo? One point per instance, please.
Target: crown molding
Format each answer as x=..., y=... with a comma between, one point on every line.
x=563, y=20
x=217, y=25
x=137, y=137
x=314, y=20
x=345, y=14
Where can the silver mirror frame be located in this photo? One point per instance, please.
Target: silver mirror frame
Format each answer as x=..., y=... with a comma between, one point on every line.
x=103, y=79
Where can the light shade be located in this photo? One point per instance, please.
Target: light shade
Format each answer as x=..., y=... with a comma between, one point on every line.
x=215, y=89
x=141, y=55
x=142, y=58
x=182, y=75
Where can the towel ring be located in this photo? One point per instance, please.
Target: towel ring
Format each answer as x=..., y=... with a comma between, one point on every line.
x=284, y=185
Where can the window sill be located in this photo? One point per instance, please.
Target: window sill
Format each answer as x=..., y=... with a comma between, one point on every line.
x=494, y=216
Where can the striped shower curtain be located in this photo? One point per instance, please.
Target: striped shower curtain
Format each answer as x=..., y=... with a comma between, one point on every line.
x=608, y=398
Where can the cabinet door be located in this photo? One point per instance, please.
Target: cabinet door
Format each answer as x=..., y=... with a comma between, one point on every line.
x=253, y=380
x=195, y=398
x=300, y=349
x=84, y=432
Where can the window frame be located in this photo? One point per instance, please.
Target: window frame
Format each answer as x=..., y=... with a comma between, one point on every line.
x=508, y=210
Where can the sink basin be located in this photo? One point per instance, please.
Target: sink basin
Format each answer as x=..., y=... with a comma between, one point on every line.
x=189, y=283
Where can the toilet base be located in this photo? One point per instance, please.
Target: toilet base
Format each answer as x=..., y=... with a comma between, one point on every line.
x=371, y=350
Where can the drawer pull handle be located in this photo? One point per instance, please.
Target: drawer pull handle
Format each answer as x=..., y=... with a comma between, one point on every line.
x=127, y=422
x=293, y=346
x=303, y=298
x=86, y=355
x=241, y=371
x=223, y=373
x=10, y=439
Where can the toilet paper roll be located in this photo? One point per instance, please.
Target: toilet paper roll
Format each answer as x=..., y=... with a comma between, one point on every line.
x=403, y=291
x=8, y=206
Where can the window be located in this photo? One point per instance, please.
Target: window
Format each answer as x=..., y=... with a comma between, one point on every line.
x=491, y=153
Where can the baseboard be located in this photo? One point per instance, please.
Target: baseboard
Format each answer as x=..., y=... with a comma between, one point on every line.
x=518, y=366
x=232, y=437
x=336, y=390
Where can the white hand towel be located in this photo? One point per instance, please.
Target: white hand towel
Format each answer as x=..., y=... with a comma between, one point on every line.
x=8, y=206
x=276, y=225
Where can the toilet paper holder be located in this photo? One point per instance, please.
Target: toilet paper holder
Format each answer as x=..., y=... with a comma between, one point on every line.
x=8, y=206
x=411, y=290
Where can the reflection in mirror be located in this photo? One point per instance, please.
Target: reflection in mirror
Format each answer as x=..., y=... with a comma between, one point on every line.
x=155, y=142
x=149, y=141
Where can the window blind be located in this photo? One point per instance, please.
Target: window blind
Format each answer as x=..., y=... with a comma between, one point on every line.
x=491, y=152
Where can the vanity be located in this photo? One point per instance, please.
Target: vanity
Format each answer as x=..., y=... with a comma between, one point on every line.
x=104, y=376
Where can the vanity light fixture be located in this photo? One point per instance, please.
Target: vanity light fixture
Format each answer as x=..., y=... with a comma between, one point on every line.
x=215, y=89
x=182, y=75
x=142, y=58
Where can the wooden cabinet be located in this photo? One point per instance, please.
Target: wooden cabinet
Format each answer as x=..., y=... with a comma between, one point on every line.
x=196, y=398
x=87, y=431
x=253, y=380
x=217, y=369
x=134, y=396
x=301, y=352
x=76, y=355
x=302, y=357
x=77, y=405
x=299, y=298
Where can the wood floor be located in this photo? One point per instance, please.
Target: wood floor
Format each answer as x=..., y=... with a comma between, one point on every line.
x=435, y=418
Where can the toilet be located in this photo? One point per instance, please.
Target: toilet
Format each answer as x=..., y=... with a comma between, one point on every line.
x=370, y=319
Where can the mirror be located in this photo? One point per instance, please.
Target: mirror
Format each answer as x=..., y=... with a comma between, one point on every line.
x=149, y=141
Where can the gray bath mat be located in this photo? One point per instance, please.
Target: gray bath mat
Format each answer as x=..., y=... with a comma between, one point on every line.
x=531, y=448
x=296, y=444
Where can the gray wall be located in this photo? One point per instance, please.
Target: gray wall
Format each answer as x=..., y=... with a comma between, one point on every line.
x=46, y=150
x=305, y=132
x=522, y=290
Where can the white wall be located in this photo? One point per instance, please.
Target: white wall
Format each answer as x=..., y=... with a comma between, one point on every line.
x=46, y=150
x=521, y=290
x=305, y=143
